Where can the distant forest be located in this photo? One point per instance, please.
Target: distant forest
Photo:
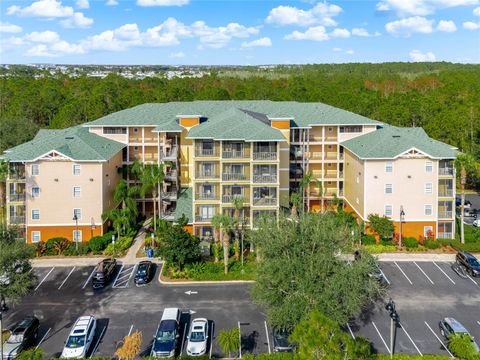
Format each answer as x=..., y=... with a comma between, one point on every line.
x=442, y=98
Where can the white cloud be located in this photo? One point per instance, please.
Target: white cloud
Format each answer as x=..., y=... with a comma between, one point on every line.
x=340, y=33
x=11, y=42
x=162, y=2
x=476, y=11
x=320, y=14
x=417, y=55
x=6, y=27
x=316, y=33
x=111, y=3
x=45, y=37
x=40, y=50
x=337, y=49
x=363, y=32
x=421, y=7
x=42, y=8
x=470, y=25
x=177, y=55
x=167, y=33
x=350, y=52
x=83, y=4
x=77, y=20
x=265, y=41
x=218, y=37
x=407, y=26
x=446, y=26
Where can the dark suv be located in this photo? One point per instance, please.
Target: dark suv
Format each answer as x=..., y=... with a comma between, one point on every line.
x=470, y=262
x=103, y=273
x=23, y=336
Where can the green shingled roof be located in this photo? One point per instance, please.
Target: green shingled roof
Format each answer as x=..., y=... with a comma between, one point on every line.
x=389, y=142
x=76, y=143
x=184, y=204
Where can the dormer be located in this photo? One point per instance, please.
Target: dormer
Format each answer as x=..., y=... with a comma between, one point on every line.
x=189, y=121
x=282, y=123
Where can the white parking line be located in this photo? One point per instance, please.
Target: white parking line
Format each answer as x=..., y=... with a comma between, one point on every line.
x=64, y=281
x=472, y=280
x=41, y=282
x=441, y=342
x=268, y=337
x=240, y=342
x=415, y=345
x=423, y=272
x=406, y=277
x=89, y=277
x=183, y=338
x=351, y=332
x=130, y=331
x=98, y=342
x=381, y=337
x=383, y=274
x=119, y=272
x=444, y=273
x=123, y=277
x=43, y=338
x=212, y=333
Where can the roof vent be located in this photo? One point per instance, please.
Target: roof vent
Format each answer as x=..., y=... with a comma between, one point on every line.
x=69, y=138
x=396, y=136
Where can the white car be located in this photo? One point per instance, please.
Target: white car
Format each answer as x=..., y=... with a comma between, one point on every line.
x=80, y=339
x=197, y=338
x=476, y=223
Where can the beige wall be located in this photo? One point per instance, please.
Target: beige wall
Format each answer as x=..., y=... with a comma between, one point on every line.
x=111, y=177
x=353, y=191
x=365, y=130
x=123, y=138
x=186, y=159
x=408, y=179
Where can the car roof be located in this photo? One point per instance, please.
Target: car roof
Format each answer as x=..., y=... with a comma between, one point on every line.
x=199, y=324
x=170, y=314
x=81, y=325
x=456, y=325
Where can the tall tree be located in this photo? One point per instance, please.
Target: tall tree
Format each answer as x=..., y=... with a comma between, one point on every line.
x=305, y=187
x=239, y=224
x=225, y=223
x=120, y=218
x=3, y=180
x=466, y=165
x=125, y=196
x=150, y=179
x=319, y=185
x=296, y=201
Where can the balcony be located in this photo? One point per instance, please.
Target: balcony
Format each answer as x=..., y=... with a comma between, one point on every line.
x=313, y=138
x=171, y=174
x=265, y=201
x=340, y=192
x=17, y=219
x=330, y=192
x=206, y=196
x=234, y=177
x=204, y=175
x=204, y=218
x=235, y=154
x=151, y=157
x=168, y=214
x=331, y=156
x=265, y=179
x=446, y=171
x=16, y=172
x=169, y=195
x=228, y=198
x=444, y=235
x=264, y=155
x=331, y=174
x=445, y=214
x=315, y=155
x=201, y=152
x=170, y=153
x=16, y=197
x=445, y=192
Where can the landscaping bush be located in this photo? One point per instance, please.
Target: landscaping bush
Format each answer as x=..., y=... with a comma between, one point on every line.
x=431, y=244
x=368, y=240
x=410, y=243
x=99, y=243
x=121, y=245
x=71, y=250
x=55, y=246
x=457, y=245
x=386, y=242
x=378, y=249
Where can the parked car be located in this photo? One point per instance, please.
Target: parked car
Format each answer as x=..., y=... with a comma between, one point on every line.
x=145, y=272
x=197, y=337
x=458, y=202
x=166, y=337
x=470, y=262
x=80, y=338
x=476, y=223
x=103, y=273
x=23, y=336
x=449, y=326
x=280, y=340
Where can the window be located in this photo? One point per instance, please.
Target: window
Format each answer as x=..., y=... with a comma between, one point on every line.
x=76, y=169
x=77, y=191
x=427, y=230
x=428, y=188
x=428, y=166
x=428, y=210
x=77, y=235
x=389, y=167
x=350, y=129
x=77, y=213
x=114, y=130
x=35, y=236
x=388, y=188
x=35, y=169
x=35, y=214
x=35, y=192
x=388, y=210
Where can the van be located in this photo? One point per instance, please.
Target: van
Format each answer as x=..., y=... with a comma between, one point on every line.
x=166, y=337
x=80, y=338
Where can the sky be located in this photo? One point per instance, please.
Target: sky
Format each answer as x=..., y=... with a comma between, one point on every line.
x=229, y=32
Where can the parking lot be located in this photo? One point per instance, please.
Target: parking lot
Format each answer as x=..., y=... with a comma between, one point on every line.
x=63, y=294
x=424, y=293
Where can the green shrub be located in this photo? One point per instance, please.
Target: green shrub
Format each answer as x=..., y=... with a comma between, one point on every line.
x=378, y=249
x=386, y=242
x=410, y=243
x=456, y=244
x=121, y=245
x=462, y=347
x=83, y=249
x=51, y=244
x=368, y=240
x=431, y=244
x=99, y=243
x=31, y=354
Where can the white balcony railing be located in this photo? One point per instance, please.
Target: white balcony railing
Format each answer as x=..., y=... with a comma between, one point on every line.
x=17, y=219
x=445, y=192
x=265, y=201
x=264, y=155
x=444, y=235
x=445, y=171
x=206, y=196
x=234, y=177
x=16, y=197
x=445, y=214
x=265, y=179
x=234, y=154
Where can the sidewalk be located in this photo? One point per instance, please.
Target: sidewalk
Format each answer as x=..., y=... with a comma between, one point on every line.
x=138, y=242
x=415, y=257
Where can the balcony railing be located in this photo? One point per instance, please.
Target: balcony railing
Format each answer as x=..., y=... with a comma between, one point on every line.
x=316, y=155
x=207, y=175
x=234, y=177
x=331, y=155
x=340, y=156
x=17, y=197
x=170, y=153
x=228, y=198
x=265, y=179
x=16, y=176
x=17, y=219
x=444, y=235
x=331, y=174
x=168, y=214
x=234, y=154
x=445, y=192
x=169, y=195
x=315, y=138
x=206, y=196
x=203, y=218
x=264, y=155
x=171, y=174
x=340, y=192
x=445, y=171
x=445, y=214
x=265, y=201
x=200, y=152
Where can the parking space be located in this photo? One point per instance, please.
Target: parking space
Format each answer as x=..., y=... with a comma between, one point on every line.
x=123, y=276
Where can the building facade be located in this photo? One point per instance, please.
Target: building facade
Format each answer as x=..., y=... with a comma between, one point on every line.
x=216, y=151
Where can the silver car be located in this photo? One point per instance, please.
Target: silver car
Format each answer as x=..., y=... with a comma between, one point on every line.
x=450, y=326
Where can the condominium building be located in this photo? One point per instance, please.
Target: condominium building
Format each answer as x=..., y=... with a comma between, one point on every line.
x=216, y=151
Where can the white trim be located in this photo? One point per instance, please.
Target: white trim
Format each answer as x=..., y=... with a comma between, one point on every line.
x=354, y=208
x=79, y=171
x=284, y=169
x=280, y=118
x=52, y=151
x=285, y=149
x=38, y=170
x=189, y=116
x=391, y=165
x=73, y=213
x=431, y=188
x=35, y=187
x=79, y=238
x=73, y=192
x=365, y=216
x=389, y=158
x=431, y=163
x=167, y=131
x=429, y=227
x=385, y=189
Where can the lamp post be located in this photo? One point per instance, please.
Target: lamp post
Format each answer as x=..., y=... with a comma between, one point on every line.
x=152, y=237
x=402, y=219
x=92, y=228
x=75, y=238
x=394, y=321
x=113, y=243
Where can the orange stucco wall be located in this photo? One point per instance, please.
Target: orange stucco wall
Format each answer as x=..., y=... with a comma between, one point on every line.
x=48, y=232
x=348, y=208
x=281, y=124
x=189, y=122
x=415, y=229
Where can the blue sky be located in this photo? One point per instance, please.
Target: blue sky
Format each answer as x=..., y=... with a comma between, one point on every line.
x=238, y=32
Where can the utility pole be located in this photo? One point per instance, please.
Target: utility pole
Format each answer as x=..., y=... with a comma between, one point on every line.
x=75, y=238
x=394, y=321
x=402, y=219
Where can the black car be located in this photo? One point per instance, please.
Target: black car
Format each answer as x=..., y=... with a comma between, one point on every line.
x=145, y=271
x=280, y=340
x=470, y=262
x=23, y=336
x=103, y=273
x=458, y=202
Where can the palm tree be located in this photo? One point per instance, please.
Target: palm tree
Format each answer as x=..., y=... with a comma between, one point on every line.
x=225, y=224
x=320, y=193
x=124, y=195
x=150, y=179
x=120, y=219
x=3, y=180
x=237, y=203
x=304, y=185
x=467, y=165
x=296, y=200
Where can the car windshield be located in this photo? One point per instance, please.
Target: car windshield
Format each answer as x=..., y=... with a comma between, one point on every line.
x=164, y=336
x=142, y=270
x=197, y=336
x=75, y=341
x=474, y=262
x=281, y=334
x=15, y=339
